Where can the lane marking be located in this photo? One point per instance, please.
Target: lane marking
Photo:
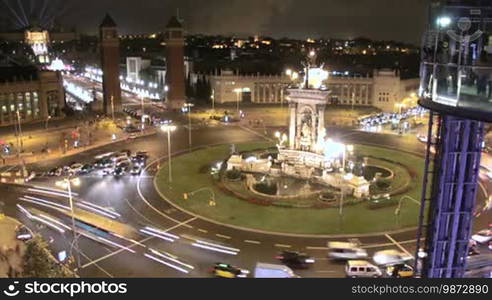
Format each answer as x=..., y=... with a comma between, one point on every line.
x=223, y=236
x=141, y=241
x=316, y=248
x=398, y=245
x=252, y=242
x=202, y=230
x=282, y=246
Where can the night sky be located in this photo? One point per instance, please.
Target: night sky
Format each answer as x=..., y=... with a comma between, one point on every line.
x=401, y=20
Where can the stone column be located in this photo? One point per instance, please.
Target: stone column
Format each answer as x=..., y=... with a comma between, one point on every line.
x=253, y=93
x=293, y=125
x=264, y=93
x=320, y=109
x=275, y=93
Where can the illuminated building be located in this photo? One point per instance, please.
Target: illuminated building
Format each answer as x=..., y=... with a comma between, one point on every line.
x=384, y=90
x=34, y=94
x=39, y=40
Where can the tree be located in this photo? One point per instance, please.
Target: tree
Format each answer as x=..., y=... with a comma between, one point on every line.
x=39, y=264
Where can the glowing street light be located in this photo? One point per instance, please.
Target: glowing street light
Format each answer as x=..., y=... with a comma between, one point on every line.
x=288, y=72
x=443, y=21
x=168, y=127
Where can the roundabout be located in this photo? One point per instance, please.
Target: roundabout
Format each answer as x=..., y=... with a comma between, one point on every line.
x=199, y=192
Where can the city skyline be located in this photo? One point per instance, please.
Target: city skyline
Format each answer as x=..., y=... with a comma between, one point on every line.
x=401, y=20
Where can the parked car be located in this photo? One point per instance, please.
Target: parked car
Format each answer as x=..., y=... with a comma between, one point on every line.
x=55, y=172
x=76, y=168
x=362, y=269
x=345, y=251
x=23, y=234
x=86, y=169
x=228, y=271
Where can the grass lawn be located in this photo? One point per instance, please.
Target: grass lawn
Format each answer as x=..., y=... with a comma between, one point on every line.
x=191, y=172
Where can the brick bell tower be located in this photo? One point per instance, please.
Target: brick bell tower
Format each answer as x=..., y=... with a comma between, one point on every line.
x=175, y=73
x=110, y=64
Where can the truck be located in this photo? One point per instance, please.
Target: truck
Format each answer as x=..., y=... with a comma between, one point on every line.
x=264, y=270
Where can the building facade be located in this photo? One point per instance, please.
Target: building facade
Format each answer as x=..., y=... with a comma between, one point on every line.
x=110, y=62
x=228, y=87
x=33, y=96
x=385, y=90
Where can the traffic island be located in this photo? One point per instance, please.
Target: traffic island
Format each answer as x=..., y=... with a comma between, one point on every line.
x=199, y=171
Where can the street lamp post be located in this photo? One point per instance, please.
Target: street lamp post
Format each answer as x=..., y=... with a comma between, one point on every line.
x=20, y=131
x=66, y=183
x=112, y=107
x=188, y=107
x=169, y=128
x=237, y=99
x=46, y=124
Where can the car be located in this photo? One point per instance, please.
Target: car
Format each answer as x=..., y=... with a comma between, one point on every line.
x=390, y=257
x=119, y=171
x=483, y=236
x=362, y=269
x=107, y=171
x=122, y=160
x=228, y=271
x=55, y=172
x=295, y=259
x=104, y=156
x=400, y=271
x=265, y=270
x=86, y=169
x=345, y=251
x=136, y=170
x=76, y=168
x=22, y=233
x=103, y=163
x=139, y=159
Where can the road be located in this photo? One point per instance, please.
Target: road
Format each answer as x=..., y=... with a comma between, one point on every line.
x=186, y=246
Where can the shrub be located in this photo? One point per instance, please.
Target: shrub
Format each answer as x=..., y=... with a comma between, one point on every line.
x=233, y=174
x=266, y=188
x=38, y=262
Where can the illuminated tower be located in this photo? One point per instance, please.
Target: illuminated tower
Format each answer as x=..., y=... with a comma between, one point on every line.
x=175, y=73
x=110, y=64
x=456, y=50
x=39, y=40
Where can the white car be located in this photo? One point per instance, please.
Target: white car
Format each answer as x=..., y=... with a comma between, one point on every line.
x=76, y=168
x=345, y=251
x=390, y=257
x=483, y=236
x=362, y=269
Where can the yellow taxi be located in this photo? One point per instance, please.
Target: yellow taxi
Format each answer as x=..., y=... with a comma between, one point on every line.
x=400, y=271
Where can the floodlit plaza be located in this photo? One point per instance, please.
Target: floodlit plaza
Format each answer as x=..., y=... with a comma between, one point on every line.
x=245, y=139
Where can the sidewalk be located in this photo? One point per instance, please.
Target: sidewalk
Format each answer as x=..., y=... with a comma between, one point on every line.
x=59, y=152
x=11, y=249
